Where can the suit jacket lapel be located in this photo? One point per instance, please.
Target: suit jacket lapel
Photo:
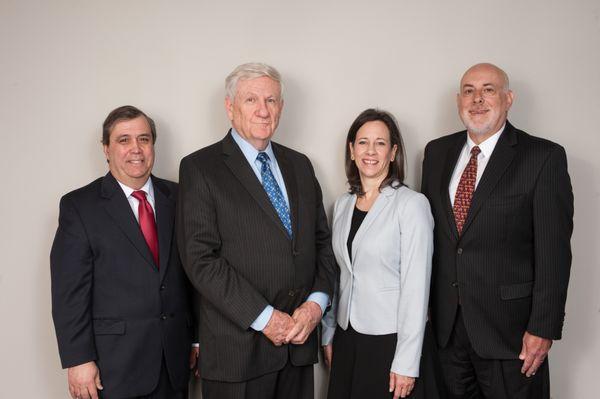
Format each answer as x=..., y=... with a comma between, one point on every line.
x=501, y=157
x=238, y=164
x=379, y=205
x=165, y=214
x=346, y=223
x=119, y=210
x=291, y=187
x=451, y=158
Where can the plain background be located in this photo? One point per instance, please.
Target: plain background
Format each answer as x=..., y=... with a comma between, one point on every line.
x=65, y=64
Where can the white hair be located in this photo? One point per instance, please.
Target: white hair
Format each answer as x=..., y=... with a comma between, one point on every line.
x=251, y=70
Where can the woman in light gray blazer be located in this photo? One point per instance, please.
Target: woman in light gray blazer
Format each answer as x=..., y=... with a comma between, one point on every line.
x=383, y=242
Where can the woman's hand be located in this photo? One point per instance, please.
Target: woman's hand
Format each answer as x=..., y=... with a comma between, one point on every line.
x=328, y=355
x=401, y=385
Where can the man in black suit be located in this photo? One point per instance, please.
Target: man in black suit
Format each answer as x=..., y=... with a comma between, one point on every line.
x=120, y=298
x=503, y=209
x=255, y=243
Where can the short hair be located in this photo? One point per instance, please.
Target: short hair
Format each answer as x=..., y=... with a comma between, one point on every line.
x=124, y=113
x=395, y=176
x=251, y=70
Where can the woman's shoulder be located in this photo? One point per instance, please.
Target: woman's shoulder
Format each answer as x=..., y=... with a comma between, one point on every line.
x=411, y=199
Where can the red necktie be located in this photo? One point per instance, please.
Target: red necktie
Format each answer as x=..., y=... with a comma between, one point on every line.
x=464, y=192
x=147, y=223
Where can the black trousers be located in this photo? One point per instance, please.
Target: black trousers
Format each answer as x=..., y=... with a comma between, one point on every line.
x=361, y=367
x=469, y=376
x=291, y=382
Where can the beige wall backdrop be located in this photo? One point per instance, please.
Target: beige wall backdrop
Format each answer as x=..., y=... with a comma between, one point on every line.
x=65, y=64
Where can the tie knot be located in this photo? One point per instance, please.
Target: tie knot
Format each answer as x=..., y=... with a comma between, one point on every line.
x=262, y=157
x=140, y=195
x=475, y=150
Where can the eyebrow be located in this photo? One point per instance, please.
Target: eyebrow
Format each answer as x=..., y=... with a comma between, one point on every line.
x=471, y=85
x=129, y=135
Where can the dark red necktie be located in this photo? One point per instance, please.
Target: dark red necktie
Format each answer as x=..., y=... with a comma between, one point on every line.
x=464, y=192
x=147, y=223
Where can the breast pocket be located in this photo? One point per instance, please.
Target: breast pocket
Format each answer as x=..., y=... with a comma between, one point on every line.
x=506, y=201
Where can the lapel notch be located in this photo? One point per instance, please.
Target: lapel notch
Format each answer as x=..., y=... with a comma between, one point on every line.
x=238, y=164
x=451, y=158
x=500, y=159
x=119, y=210
x=165, y=215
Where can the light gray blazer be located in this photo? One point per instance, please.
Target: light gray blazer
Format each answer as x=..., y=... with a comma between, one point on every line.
x=385, y=289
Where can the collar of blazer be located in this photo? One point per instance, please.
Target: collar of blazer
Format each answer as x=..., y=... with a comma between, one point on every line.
x=500, y=159
x=119, y=210
x=237, y=163
x=382, y=201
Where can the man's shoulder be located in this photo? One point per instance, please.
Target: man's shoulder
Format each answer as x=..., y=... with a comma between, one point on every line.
x=447, y=140
x=85, y=193
x=205, y=153
x=535, y=143
x=167, y=187
x=291, y=154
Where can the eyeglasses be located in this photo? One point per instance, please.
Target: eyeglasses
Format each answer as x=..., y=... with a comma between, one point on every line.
x=487, y=92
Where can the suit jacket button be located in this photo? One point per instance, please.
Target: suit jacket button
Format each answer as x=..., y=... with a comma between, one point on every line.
x=163, y=316
x=291, y=293
x=162, y=287
x=454, y=284
x=459, y=251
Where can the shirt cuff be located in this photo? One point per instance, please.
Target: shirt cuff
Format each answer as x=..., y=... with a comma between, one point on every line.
x=261, y=321
x=321, y=298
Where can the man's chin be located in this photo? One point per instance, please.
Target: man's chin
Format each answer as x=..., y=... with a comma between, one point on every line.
x=478, y=129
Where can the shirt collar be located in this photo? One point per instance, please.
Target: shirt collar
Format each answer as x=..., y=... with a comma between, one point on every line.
x=248, y=149
x=148, y=188
x=487, y=146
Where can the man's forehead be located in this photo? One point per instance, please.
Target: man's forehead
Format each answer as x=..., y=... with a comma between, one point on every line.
x=130, y=127
x=482, y=76
x=261, y=84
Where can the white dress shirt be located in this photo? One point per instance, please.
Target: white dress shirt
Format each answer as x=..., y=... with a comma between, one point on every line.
x=148, y=188
x=486, y=147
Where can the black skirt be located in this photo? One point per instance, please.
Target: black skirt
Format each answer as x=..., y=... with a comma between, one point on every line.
x=361, y=367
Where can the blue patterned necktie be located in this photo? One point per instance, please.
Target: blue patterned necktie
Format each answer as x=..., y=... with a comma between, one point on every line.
x=274, y=192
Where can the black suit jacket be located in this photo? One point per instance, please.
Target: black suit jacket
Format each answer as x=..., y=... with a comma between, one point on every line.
x=238, y=256
x=110, y=302
x=511, y=264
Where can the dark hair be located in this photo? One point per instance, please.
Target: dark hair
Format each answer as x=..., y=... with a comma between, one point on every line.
x=124, y=113
x=395, y=176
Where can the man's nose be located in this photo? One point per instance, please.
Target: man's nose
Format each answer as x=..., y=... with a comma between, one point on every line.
x=478, y=97
x=135, y=146
x=263, y=110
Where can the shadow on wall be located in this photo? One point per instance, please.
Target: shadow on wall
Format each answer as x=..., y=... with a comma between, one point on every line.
x=580, y=333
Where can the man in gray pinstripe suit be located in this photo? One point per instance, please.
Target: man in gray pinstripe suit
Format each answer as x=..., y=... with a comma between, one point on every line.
x=503, y=209
x=254, y=241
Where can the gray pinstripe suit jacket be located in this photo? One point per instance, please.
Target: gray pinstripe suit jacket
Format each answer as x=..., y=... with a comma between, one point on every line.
x=238, y=256
x=511, y=265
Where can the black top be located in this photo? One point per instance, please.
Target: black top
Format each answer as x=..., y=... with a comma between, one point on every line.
x=357, y=218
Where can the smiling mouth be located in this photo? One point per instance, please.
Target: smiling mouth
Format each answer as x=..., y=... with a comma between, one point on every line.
x=478, y=112
x=136, y=161
x=370, y=161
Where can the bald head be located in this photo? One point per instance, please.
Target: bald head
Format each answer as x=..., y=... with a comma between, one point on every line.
x=490, y=70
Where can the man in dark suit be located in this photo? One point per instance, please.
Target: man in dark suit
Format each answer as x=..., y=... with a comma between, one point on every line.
x=255, y=243
x=120, y=298
x=503, y=209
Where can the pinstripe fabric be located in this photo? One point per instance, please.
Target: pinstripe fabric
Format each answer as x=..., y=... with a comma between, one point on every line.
x=511, y=264
x=239, y=257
